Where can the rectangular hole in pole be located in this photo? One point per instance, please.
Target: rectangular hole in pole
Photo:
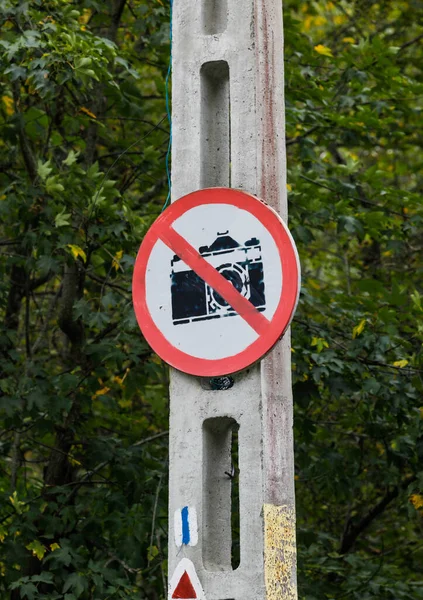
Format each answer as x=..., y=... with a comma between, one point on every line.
x=215, y=124
x=235, y=519
x=215, y=16
x=221, y=546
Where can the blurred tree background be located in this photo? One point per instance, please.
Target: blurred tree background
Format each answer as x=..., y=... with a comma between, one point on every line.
x=83, y=401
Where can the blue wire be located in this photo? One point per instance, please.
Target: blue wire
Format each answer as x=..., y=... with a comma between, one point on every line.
x=169, y=115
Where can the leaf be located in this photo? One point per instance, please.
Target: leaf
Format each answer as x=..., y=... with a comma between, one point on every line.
x=8, y=103
x=320, y=343
x=76, y=583
x=62, y=219
x=117, y=257
x=101, y=392
x=45, y=577
x=324, y=50
x=400, y=363
x=3, y=533
x=152, y=552
x=54, y=547
x=61, y=555
x=77, y=251
x=416, y=500
x=52, y=186
x=43, y=170
x=71, y=158
x=87, y=112
x=16, y=503
x=358, y=329
x=38, y=549
x=28, y=590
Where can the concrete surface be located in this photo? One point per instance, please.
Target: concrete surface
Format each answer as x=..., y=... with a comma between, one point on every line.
x=228, y=129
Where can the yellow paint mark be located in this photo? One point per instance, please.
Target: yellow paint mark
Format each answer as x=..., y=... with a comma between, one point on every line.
x=280, y=553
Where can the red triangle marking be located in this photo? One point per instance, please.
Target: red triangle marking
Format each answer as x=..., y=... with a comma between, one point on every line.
x=184, y=589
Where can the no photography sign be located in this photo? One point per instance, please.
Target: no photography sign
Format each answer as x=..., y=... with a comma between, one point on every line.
x=216, y=282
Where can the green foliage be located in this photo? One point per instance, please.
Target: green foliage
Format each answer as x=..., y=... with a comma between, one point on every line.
x=354, y=98
x=83, y=434
x=83, y=401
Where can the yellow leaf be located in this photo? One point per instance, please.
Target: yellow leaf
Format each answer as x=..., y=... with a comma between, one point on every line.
x=348, y=40
x=289, y=187
x=319, y=20
x=339, y=19
x=308, y=21
x=16, y=503
x=101, y=392
x=400, y=363
x=416, y=500
x=152, y=552
x=323, y=50
x=8, y=102
x=120, y=380
x=125, y=403
x=117, y=257
x=37, y=548
x=320, y=343
x=85, y=17
x=3, y=533
x=359, y=328
x=77, y=251
x=380, y=448
x=86, y=111
x=54, y=547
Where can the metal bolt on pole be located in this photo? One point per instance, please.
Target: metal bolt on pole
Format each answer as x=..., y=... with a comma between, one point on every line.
x=228, y=130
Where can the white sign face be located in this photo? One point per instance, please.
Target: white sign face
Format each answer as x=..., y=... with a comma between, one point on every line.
x=201, y=323
x=209, y=283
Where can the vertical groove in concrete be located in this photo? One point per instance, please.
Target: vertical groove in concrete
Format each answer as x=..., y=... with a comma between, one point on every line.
x=247, y=98
x=215, y=124
x=216, y=501
x=214, y=16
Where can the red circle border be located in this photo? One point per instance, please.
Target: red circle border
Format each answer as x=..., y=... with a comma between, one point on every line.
x=284, y=312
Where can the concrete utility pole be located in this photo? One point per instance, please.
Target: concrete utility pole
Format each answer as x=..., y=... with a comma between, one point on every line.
x=228, y=130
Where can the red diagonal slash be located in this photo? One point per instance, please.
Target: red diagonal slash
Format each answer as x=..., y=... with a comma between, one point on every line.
x=214, y=279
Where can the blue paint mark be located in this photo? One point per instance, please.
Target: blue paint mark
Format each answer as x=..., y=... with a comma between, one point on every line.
x=185, y=526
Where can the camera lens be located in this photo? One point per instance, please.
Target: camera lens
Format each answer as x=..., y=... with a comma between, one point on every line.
x=239, y=279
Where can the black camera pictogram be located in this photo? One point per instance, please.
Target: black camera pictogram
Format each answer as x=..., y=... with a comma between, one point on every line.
x=242, y=265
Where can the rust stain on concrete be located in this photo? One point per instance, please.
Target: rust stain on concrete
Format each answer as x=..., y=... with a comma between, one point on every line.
x=280, y=554
x=269, y=188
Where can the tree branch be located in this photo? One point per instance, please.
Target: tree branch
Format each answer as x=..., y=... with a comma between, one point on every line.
x=352, y=532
